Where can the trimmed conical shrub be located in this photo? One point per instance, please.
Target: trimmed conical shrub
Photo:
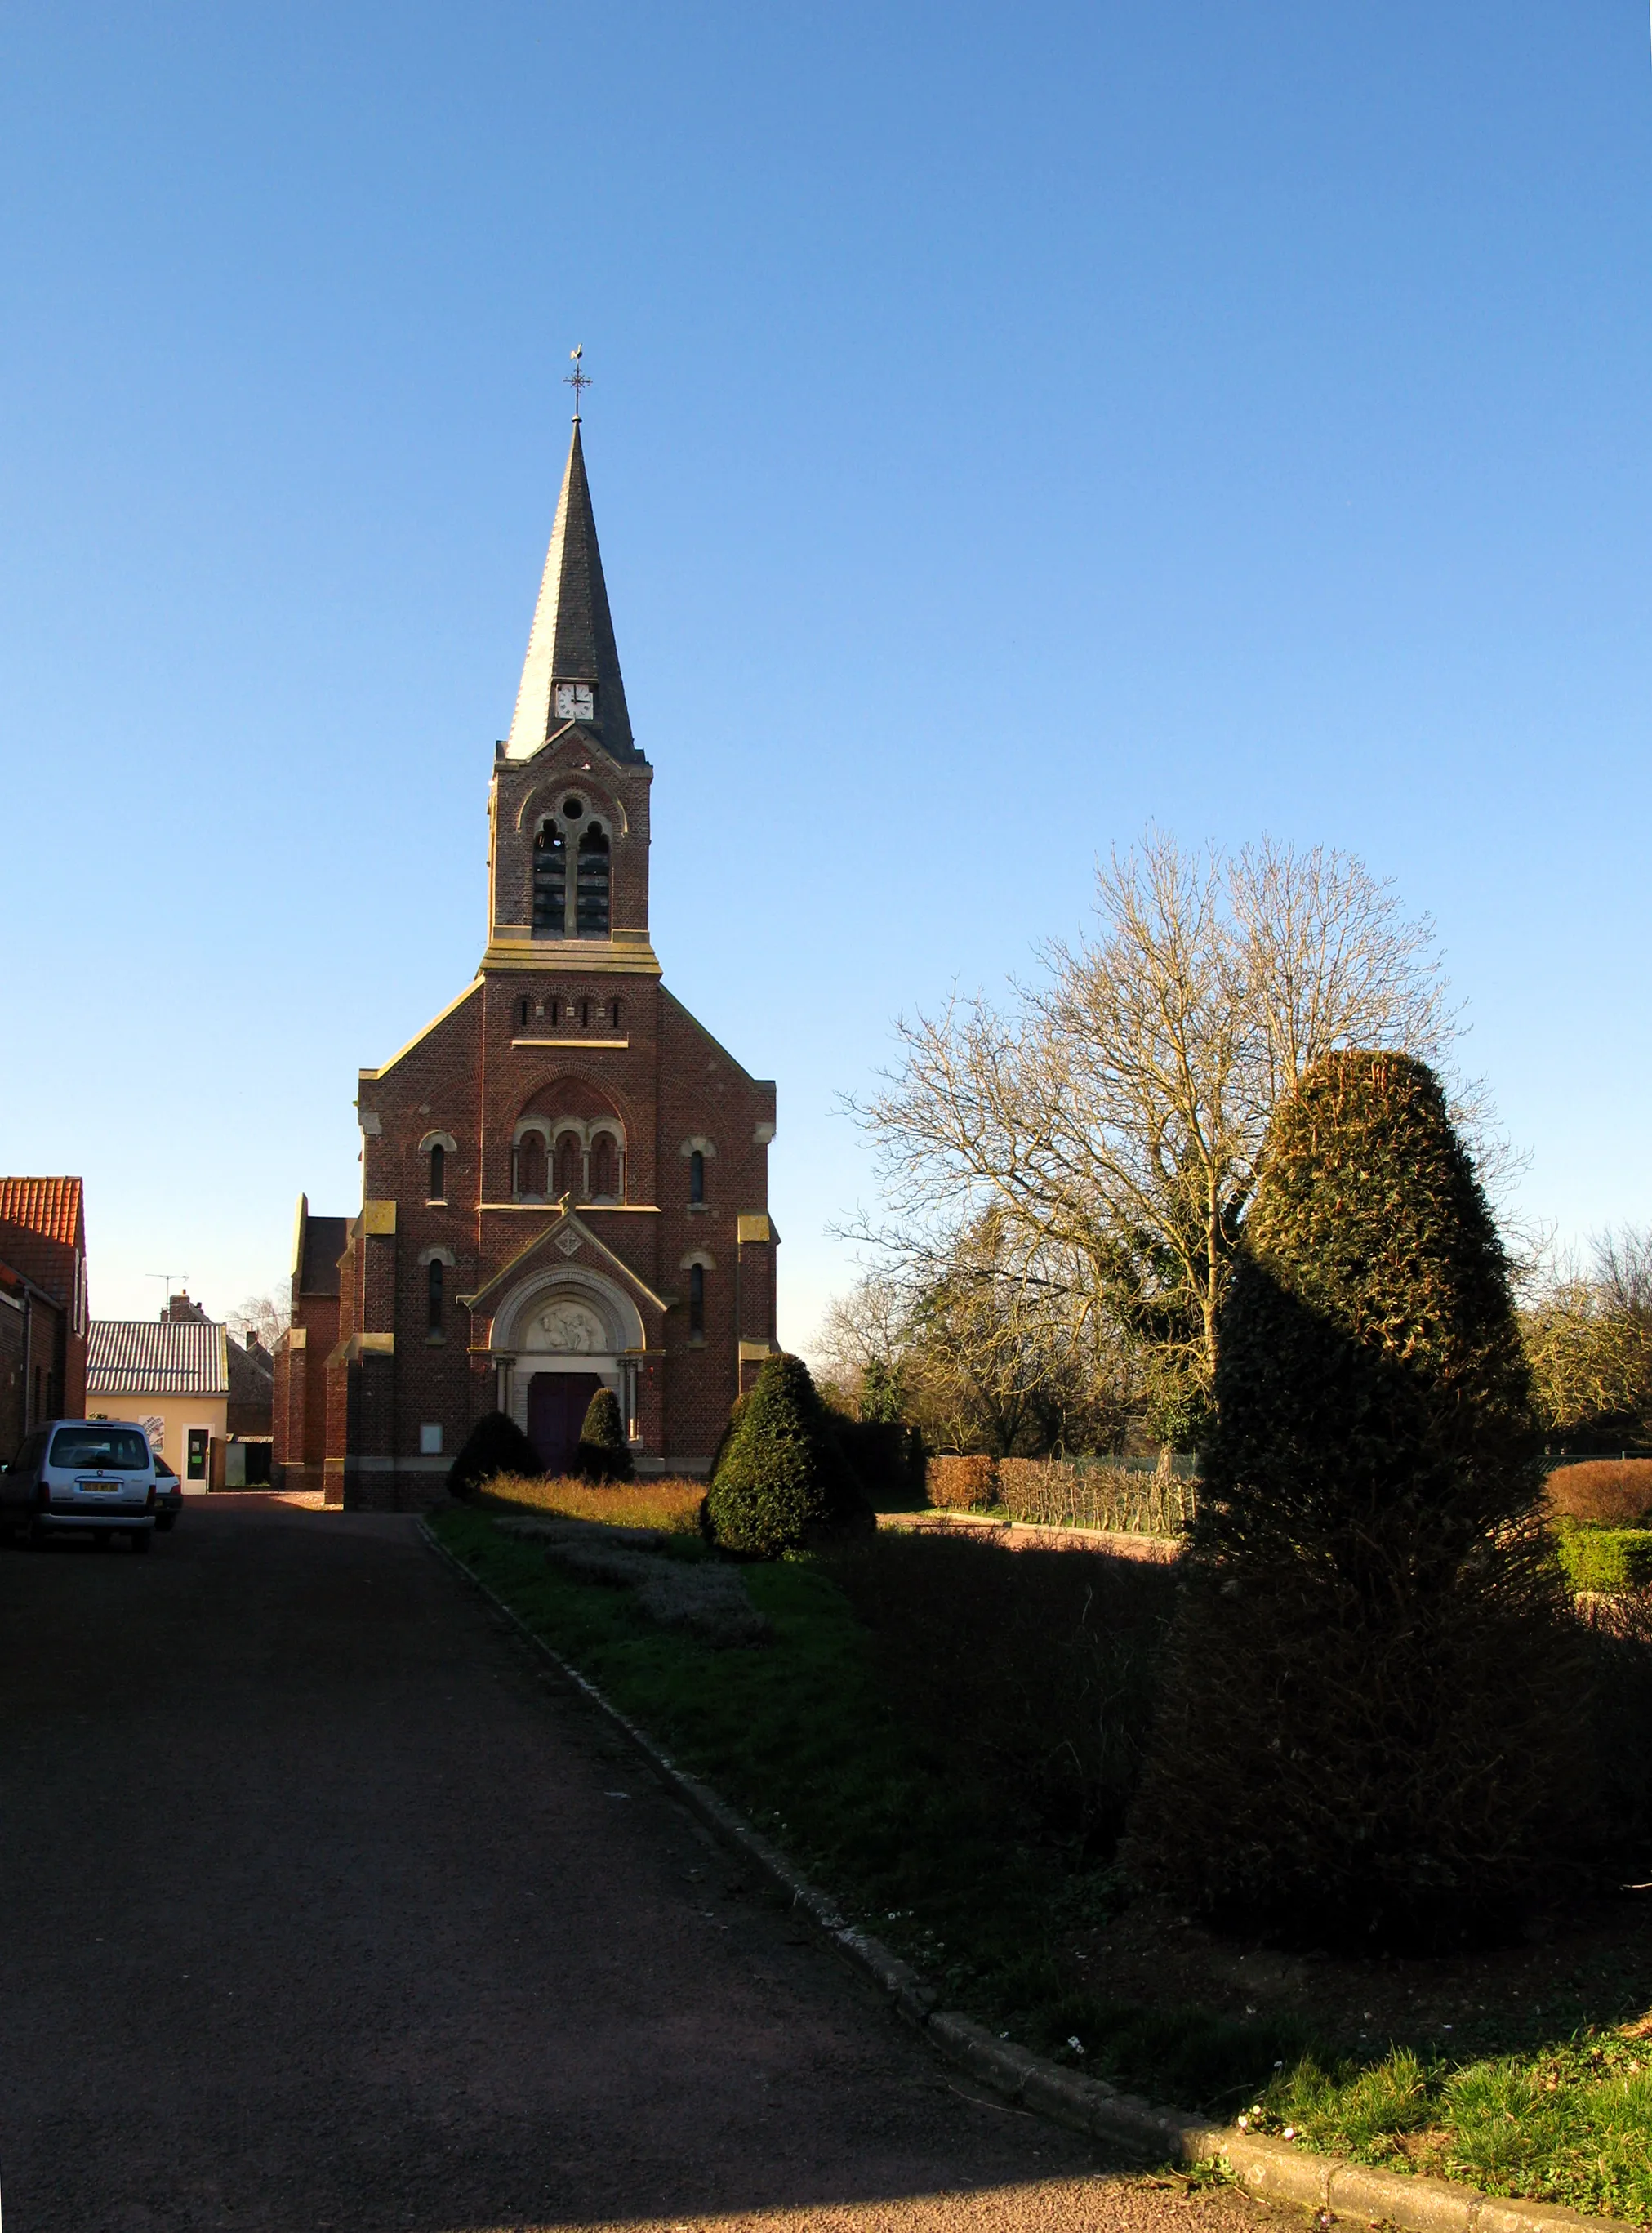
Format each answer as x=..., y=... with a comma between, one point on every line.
x=495, y=1444
x=1369, y=1695
x=603, y=1454
x=781, y=1481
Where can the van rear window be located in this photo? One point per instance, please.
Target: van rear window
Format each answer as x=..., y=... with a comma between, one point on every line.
x=117, y=1449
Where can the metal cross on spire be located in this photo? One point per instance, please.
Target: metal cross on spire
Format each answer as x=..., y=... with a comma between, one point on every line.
x=578, y=379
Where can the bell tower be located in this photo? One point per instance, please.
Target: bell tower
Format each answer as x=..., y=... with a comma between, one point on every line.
x=568, y=808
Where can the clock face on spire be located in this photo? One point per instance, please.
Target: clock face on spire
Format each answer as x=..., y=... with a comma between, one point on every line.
x=576, y=702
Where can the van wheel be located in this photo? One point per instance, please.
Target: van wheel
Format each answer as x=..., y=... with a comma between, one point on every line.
x=165, y=1519
x=101, y=1537
x=141, y=1538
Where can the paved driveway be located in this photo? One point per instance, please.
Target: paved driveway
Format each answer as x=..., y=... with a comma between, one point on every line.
x=322, y=1910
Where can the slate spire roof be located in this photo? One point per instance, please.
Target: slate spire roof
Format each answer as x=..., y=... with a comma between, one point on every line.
x=572, y=637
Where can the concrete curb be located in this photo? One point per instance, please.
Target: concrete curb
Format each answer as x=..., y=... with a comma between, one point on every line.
x=1272, y=2170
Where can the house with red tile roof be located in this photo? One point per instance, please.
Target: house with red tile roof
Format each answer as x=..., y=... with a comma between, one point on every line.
x=44, y=1318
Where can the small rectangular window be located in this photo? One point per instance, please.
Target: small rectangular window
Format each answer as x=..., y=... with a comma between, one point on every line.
x=437, y=1270
x=430, y=1439
x=697, y=1298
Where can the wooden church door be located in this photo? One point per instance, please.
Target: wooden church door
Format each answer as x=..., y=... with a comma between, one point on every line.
x=557, y=1402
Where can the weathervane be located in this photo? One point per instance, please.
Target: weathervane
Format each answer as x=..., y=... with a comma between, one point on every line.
x=576, y=379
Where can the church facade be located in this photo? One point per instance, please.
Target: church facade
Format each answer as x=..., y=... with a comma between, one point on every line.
x=564, y=1177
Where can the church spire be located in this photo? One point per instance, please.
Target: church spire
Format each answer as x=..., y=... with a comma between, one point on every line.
x=572, y=670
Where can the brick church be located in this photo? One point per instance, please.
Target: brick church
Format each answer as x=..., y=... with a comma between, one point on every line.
x=564, y=1177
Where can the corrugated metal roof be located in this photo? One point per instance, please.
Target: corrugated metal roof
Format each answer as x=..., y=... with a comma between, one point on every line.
x=158, y=1356
x=51, y=1207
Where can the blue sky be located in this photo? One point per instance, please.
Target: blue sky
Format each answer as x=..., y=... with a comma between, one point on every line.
x=1011, y=425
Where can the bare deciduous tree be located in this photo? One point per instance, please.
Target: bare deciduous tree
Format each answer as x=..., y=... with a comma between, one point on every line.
x=1588, y=1336
x=1111, y=1119
x=264, y=1315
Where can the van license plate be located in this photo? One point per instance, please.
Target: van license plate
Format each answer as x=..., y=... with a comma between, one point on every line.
x=104, y=1485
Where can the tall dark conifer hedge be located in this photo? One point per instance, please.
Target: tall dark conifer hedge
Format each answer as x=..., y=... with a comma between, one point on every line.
x=603, y=1453
x=781, y=1481
x=1370, y=1728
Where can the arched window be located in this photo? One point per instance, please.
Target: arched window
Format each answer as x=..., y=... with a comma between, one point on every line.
x=592, y=899
x=697, y=1298
x=550, y=884
x=436, y=1275
x=697, y=1176
x=439, y=1173
x=531, y=1167
x=605, y=1169
x=570, y=1159
x=614, y=1012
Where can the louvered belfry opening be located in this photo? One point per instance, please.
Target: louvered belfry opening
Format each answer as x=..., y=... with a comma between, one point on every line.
x=549, y=883
x=593, y=894
x=570, y=1160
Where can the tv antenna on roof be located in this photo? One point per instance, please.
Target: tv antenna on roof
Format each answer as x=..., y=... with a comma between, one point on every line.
x=167, y=1277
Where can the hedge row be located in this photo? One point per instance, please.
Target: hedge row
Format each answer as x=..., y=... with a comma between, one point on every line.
x=1044, y=1493
x=1607, y=1561
x=1603, y=1492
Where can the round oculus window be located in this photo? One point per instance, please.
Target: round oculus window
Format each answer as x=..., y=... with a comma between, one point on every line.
x=573, y=808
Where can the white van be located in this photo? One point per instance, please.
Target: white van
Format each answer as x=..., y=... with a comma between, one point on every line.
x=82, y=1476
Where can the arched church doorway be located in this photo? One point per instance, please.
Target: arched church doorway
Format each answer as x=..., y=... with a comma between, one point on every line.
x=557, y=1402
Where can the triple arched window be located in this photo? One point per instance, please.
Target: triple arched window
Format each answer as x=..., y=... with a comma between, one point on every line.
x=551, y=1158
x=580, y=905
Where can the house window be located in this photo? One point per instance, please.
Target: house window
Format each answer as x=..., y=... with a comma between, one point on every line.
x=430, y=1439
x=549, y=883
x=697, y=1299
x=697, y=1176
x=592, y=902
x=437, y=1272
x=439, y=1173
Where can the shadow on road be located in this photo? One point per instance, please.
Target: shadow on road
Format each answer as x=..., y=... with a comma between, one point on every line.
x=324, y=1910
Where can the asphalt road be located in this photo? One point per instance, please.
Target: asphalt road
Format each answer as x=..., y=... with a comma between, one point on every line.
x=323, y=1909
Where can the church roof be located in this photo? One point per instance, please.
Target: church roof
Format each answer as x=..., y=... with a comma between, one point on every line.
x=572, y=636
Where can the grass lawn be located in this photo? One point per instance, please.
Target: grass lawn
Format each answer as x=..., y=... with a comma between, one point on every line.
x=916, y=1749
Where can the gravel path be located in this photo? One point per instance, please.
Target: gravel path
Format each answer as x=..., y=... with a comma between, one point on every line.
x=323, y=1910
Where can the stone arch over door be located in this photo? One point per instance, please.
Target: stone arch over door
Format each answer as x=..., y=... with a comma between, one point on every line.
x=559, y=1336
